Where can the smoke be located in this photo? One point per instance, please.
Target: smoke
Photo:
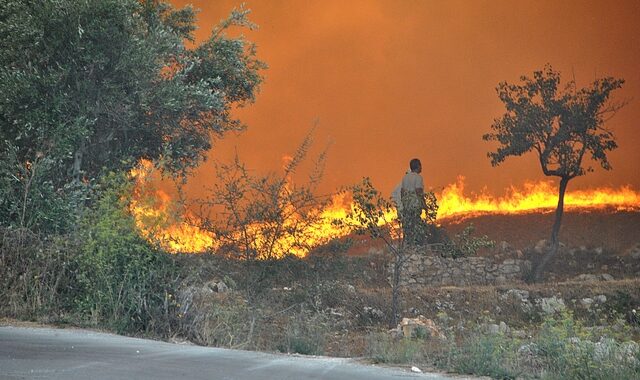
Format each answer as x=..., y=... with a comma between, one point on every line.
x=391, y=80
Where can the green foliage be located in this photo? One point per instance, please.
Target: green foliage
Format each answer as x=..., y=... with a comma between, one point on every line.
x=97, y=85
x=382, y=348
x=560, y=125
x=571, y=351
x=563, y=348
x=464, y=244
x=124, y=282
x=372, y=212
x=491, y=355
x=29, y=198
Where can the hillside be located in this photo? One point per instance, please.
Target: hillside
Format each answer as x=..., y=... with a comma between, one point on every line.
x=613, y=231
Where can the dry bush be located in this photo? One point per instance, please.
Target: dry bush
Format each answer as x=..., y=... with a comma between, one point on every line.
x=215, y=319
x=36, y=274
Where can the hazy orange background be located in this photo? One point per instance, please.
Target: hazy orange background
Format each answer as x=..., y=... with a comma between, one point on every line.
x=393, y=80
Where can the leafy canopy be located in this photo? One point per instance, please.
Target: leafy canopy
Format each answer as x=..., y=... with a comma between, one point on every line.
x=560, y=124
x=94, y=86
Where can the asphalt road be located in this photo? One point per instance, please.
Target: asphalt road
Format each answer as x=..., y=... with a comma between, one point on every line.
x=44, y=353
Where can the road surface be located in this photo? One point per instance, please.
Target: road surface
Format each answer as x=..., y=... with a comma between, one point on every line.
x=45, y=353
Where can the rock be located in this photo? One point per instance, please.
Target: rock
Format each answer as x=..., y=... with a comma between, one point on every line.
x=517, y=294
x=634, y=251
x=520, y=334
x=586, y=302
x=501, y=280
x=530, y=349
x=412, y=327
x=373, y=313
x=351, y=288
x=587, y=277
x=500, y=328
x=600, y=298
x=552, y=305
x=395, y=333
x=510, y=269
x=540, y=246
x=503, y=246
x=606, y=277
x=222, y=287
x=215, y=286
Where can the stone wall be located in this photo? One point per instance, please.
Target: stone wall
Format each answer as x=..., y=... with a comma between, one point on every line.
x=429, y=269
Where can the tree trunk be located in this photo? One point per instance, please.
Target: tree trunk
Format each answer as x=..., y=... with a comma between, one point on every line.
x=77, y=161
x=555, y=231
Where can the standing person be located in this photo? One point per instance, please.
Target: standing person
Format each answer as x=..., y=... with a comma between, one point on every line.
x=413, y=203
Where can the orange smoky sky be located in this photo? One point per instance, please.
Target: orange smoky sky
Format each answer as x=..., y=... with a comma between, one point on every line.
x=391, y=80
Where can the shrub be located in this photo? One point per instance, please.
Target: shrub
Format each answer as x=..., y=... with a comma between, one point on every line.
x=124, y=281
x=220, y=320
x=465, y=244
x=488, y=355
x=36, y=274
x=570, y=351
x=305, y=333
x=382, y=348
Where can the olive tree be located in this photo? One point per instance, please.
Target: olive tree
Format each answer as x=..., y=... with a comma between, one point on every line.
x=94, y=86
x=561, y=125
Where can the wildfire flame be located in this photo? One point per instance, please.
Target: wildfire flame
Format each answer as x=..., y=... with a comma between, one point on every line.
x=535, y=196
x=158, y=218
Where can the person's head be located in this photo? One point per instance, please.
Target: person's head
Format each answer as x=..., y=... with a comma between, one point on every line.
x=415, y=165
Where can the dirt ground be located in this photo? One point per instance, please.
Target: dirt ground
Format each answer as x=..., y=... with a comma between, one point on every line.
x=616, y=232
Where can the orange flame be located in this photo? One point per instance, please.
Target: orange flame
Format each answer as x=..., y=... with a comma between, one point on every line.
x=538, y=196
x=158, y=218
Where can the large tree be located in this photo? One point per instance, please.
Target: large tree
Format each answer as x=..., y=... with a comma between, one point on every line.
x=96, y=85
x=561, y=125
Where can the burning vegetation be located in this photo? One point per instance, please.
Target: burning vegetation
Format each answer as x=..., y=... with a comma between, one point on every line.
x=161, y=219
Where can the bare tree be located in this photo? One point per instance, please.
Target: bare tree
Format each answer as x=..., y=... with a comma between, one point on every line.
x=264, y=216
